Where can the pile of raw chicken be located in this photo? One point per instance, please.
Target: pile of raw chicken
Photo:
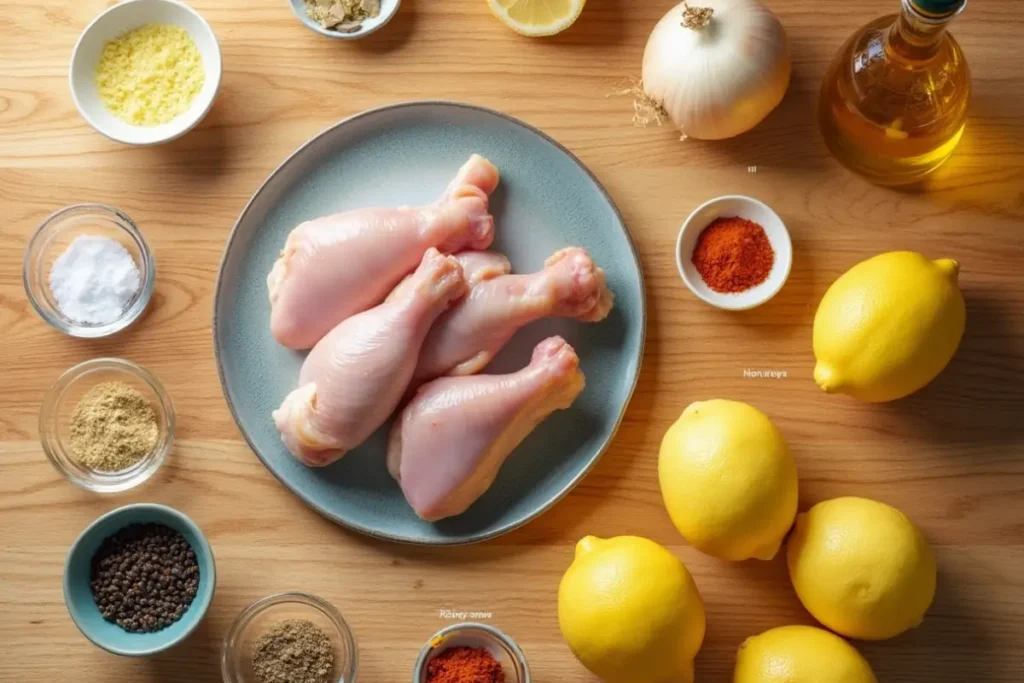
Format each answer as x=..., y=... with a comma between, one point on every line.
x=402, y=308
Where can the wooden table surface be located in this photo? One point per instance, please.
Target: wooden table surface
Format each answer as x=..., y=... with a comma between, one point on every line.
x=952, y=457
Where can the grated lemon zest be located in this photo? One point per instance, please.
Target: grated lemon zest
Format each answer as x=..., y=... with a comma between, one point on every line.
x=150, y=75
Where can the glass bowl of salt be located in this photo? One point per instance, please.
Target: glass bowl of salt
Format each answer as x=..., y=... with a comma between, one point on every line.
x=88, y=271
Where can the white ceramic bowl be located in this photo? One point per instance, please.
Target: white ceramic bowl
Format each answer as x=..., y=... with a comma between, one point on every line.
x=116, y=21
x=752, y=210
x=388, y=8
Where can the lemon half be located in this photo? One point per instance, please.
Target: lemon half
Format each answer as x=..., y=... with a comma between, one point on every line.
x=537, y=17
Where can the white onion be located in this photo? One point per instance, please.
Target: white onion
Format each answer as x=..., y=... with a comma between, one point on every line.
x=721, y=79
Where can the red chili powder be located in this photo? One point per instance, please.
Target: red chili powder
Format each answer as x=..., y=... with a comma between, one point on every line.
x=733, y=254
x=465, y=665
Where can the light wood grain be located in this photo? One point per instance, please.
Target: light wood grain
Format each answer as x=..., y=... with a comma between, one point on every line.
x=952, y=456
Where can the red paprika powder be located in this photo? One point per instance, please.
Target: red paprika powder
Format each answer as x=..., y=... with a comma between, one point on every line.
x=465, y=665
x=733, y=254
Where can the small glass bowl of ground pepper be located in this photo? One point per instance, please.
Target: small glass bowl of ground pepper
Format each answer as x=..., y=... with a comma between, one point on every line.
x=139, y=579
x=107, y=425
x=471, y=653
x=290, y=637
x=734, y=252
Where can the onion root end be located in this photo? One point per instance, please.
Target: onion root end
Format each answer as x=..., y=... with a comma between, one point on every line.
x=646, y=109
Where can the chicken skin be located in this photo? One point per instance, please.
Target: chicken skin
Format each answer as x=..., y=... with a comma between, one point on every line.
x=337, y=266
x=354, y=378
x=467, y=337
x=447, y=445
x=477, y=266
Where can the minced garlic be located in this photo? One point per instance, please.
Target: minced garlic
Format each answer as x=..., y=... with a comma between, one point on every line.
x=150, y=75
x=340, y=14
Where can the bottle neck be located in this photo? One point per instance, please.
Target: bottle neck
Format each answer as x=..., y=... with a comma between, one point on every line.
x=916, y=35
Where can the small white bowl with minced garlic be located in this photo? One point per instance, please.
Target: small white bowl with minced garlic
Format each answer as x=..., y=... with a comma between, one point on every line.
x=145, y=72
x=327, y=17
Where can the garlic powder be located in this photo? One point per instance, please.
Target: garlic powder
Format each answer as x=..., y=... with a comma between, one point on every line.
x=150, y=75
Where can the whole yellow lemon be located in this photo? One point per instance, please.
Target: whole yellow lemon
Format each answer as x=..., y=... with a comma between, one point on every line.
x=728, y=480
x=800, y=654
x=630, y=611
x=861, y=568
x=888, y=326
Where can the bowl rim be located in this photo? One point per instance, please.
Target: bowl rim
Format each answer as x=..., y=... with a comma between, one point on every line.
x=245, y=617
x=306, y=21
x=132, y=313
x=48, y=412
x=158, y=512
x=493, y=631
x=723, y=302
x=197, y=116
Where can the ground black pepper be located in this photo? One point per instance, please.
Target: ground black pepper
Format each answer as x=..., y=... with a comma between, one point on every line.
x=293, y=651
x=144, y=577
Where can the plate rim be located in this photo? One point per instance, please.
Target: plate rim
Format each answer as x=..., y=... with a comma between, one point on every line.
x=501, y=530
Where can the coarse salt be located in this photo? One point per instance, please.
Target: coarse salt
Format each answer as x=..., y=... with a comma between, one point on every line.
x=94, y=280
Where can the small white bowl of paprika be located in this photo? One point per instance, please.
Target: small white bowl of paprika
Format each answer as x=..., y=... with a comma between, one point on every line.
x=734, y=252
x=145, y=72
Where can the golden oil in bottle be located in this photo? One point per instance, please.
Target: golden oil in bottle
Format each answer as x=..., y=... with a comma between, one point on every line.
x=894, y=101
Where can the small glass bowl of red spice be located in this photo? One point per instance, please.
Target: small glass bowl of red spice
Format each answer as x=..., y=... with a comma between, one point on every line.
x=734, y=252
x=471, y=653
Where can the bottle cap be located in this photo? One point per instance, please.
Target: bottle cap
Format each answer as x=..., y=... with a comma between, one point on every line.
x=938, y=8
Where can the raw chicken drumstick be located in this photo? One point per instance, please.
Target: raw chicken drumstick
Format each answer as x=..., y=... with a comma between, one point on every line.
x=354, y=377
x=334, y=267
x=470, y=335
x=447, y=445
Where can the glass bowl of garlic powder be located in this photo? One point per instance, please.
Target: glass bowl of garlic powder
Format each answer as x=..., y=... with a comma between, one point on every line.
x=145, y=72
x=88, y=271
x=107, y=425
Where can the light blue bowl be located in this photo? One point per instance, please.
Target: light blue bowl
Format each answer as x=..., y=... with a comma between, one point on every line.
x=78, y=596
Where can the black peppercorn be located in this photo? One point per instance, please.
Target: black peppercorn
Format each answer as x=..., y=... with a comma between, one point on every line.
x=134, y=577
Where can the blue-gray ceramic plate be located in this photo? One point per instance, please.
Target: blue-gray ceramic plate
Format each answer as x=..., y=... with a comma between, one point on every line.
x=406, y=154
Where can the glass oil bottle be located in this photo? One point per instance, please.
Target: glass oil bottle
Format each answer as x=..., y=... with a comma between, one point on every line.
x=894, y=101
